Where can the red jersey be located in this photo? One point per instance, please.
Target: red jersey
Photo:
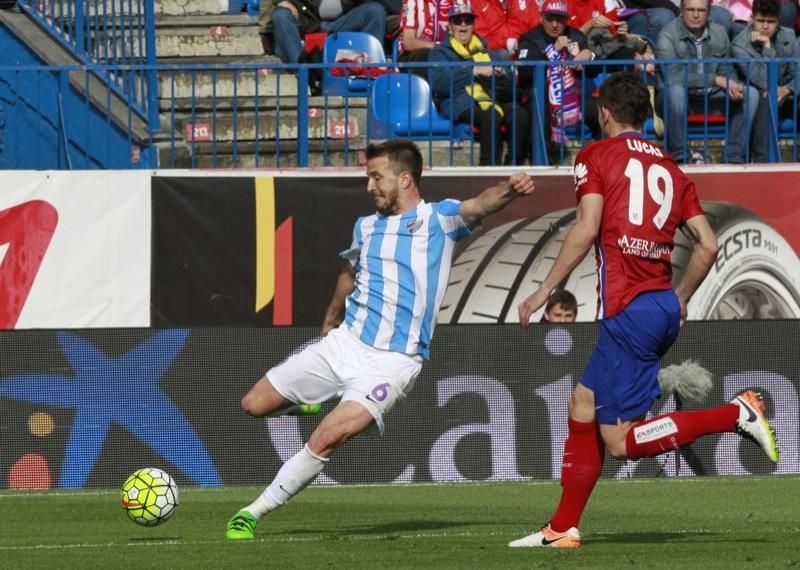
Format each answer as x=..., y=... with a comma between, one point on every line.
x=581, y=11
x=645, y=197
x=428, y=18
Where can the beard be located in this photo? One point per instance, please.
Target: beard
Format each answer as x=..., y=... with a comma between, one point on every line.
x=389, y=207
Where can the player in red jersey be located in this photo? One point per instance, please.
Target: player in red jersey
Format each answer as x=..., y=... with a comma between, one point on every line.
x=632, y=197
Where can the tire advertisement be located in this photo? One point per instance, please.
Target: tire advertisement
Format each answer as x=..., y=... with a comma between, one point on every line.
x=84, y=408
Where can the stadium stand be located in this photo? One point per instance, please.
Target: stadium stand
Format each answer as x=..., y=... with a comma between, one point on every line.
x=222, y=103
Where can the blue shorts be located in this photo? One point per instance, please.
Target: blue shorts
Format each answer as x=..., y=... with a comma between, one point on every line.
x=623, y=369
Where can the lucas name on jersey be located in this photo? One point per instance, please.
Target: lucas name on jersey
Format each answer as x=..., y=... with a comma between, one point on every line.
x=638, y=145
x=643, y=247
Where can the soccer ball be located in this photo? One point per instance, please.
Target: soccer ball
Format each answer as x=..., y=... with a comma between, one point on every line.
x=149, y=496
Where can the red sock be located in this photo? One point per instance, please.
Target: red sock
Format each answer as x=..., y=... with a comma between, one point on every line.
x=668, y=432
x=580, y=469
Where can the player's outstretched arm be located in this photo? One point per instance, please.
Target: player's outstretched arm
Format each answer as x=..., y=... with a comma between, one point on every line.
x=345, y=284
x=495, y=198
x=577, y=243
x=704, y=254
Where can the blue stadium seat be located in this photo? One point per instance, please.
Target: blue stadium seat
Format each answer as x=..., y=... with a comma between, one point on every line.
x=349, y=86
x=401, y=106
x=787, y=129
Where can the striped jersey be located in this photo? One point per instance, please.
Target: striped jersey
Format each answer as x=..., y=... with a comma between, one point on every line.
x=402, y=265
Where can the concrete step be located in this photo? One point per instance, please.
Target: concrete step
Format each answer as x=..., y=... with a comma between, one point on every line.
x=267, y=104
x=223, y=126
x=269, y=154
x=182, y=83
x=190, y=7
x=207, y=36
x=107, y=8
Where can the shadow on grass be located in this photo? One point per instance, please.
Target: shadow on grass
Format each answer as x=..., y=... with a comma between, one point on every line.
x=385, y=528
x=154, y=539
x=666, y=537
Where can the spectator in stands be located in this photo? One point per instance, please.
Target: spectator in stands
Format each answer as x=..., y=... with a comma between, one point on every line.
x=692, y=36
x=291, y=19
x=606, y=33
x=523, y=15
x=500, y=26
x=763, y=38
x=789, y=14
x=720, y=14
x=554, y=40
x=481, y=95
x=422, y=26
x=265, y=9
x=647, y=18
x=561, y=307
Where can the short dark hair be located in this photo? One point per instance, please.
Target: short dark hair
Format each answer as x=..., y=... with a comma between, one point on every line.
x=564, y=298
x=402, y=154
x=767, y=8
x=627, y=97
x=708, y=4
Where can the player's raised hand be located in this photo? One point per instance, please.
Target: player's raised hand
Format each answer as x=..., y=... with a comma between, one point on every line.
x=521, y=183
x=530, y=305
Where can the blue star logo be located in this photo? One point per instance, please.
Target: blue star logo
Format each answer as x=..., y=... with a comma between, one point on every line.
x=123, y=390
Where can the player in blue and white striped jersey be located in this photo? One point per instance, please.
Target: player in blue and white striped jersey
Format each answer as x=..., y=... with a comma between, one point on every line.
x=380, y=321
x=399, y=280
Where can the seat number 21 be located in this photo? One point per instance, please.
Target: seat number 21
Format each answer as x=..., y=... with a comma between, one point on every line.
x=657, y=177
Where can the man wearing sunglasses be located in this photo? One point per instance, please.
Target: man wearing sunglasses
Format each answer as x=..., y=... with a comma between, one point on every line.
x=481, y=95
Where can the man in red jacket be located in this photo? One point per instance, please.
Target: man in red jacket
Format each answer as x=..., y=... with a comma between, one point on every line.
x=501, y=26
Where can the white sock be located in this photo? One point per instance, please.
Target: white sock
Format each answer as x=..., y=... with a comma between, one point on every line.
x=295, y=475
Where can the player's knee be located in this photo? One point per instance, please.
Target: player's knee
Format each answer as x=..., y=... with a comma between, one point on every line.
x=617, y=449
x=250, y=406
x=325, y=442
x=581, y=409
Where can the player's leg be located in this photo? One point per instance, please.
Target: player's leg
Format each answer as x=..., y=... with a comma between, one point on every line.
x=304, y=377
x=614, y=383
x=377, y=381
x=581, y=466
x=345, y=421
x=264, y=400
x=644, y=332
x=745, y=414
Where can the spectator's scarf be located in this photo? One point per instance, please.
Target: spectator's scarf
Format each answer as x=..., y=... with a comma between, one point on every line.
x=562, y=96
x=476, y=51
x=435, y=26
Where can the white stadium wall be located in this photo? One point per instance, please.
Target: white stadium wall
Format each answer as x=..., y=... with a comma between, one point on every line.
x=92, y=232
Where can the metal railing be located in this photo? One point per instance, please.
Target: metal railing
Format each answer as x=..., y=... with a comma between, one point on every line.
x=262, y=116
x=116, y=33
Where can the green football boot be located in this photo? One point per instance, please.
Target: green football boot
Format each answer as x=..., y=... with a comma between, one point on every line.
x=305, y=410
x=242, y=526
x=297, y=410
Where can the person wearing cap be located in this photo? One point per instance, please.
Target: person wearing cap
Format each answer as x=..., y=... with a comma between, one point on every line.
x=555, y=40
x=478, y=94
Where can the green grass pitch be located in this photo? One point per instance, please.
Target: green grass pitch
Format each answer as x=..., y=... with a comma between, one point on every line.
x=703, y=522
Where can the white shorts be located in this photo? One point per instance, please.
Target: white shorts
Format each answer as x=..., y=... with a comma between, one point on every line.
x=339, y=363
